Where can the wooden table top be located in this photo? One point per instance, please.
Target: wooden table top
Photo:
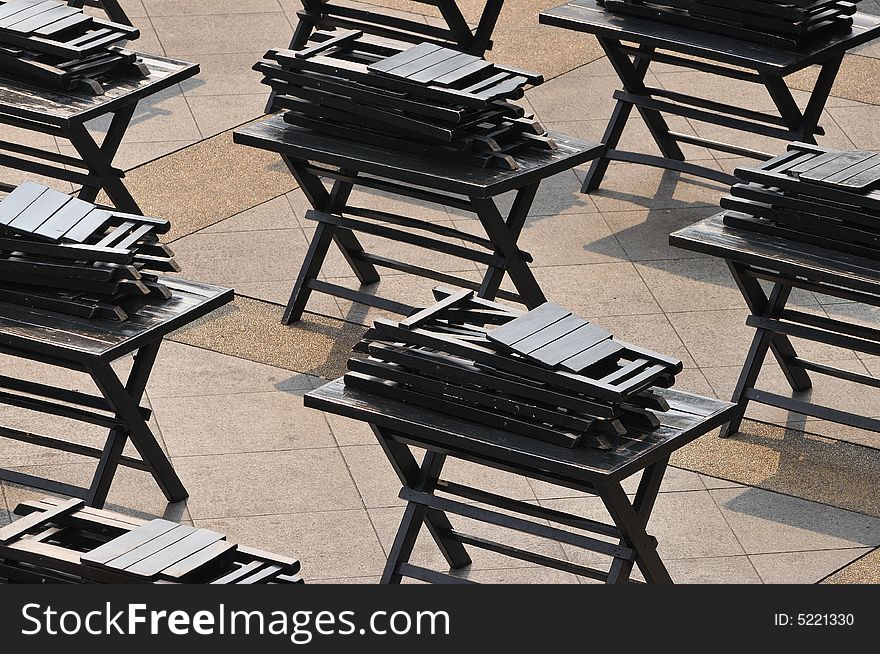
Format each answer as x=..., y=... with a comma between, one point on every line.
x=58, y=107
x=587, y=16
x=36, y=331
x=690, y=416
x=793, y=258
x=302, y=145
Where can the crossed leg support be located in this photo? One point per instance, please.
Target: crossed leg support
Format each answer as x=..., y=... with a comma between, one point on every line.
x=635, y=546
x=502, y=232
x=129, y=420
x=764, y=340
x=795, y=125
x=125, y=402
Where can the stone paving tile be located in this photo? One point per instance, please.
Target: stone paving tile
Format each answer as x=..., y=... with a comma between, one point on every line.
x=266, y=483
x=721, y=338
x=414, y=291
x=865, y=570
x=376, y=481
x=163, y=116
x=271, y=215
x=564, y=99
x=787, y=461
x=857, y=80
x=252, y=330
x=517, y=576
x=687, y=525
x=644, y=233
x=132, y=154
x=713, y=570
x=627, y=187
x=218, y=179
x=674, y=480
x=222, y=33
x=803, y=567
x=636, y=135
x=227, y=74
x=245, y=422
x=700, y=284
x=216, y=258
x=203, y=7
x=827, y=391
x=351, y=432
x=215, y=114
x=602, y=289
x=858, y=123
x=714, y=482
x=186, y=371
x=568, y=239
x=766, y=522
x=330, y=544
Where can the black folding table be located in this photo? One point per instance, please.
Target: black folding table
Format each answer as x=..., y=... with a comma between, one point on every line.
x=90, y=346
x=401, y=428
x=64, y=114
x=633, y=43
x=311, y=156
x=787, y=264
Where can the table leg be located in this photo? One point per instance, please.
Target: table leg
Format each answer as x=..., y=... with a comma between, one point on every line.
x=504, y=235
x=413, y=517
x=127, y=410
x=322, y=200
x=803, y=125
x=631, y=520
x=762, y=341
x=408, y=471
x=325, y=233
x=819, y=97
x=99, y=160
x=116, y=438
x=759, y=304
x=632, y=75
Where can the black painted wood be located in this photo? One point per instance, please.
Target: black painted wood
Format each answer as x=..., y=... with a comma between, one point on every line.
x=63, y=114
x=66, y=542
x=787, y=264
x=400, y=427
x=723, y=55
x=311, y=156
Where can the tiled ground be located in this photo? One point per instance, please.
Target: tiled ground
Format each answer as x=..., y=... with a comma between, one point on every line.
x=265, y=470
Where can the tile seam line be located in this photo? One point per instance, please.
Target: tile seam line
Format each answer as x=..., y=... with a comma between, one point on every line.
x=803, y=499
x=848, y=565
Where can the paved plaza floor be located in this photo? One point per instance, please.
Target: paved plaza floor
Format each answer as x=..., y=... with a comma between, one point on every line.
x=791, y=499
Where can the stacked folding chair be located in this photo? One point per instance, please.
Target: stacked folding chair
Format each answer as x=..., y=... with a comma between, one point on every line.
x=790, y=24
x=546, y=373
x=63, y=254
x=64, y=541
x=55, y=45
x=814, y=195
x=424, y=99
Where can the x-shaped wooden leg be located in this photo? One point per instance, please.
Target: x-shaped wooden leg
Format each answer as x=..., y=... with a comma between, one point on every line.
x=632, y=75
x=99, y=160
x=632, y=519
x=504, y=235
x=124, y=402
x=422, y=478
x=763, y=341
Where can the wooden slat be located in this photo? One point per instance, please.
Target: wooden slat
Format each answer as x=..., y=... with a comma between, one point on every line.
x=21, y=526
x=119, y=546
